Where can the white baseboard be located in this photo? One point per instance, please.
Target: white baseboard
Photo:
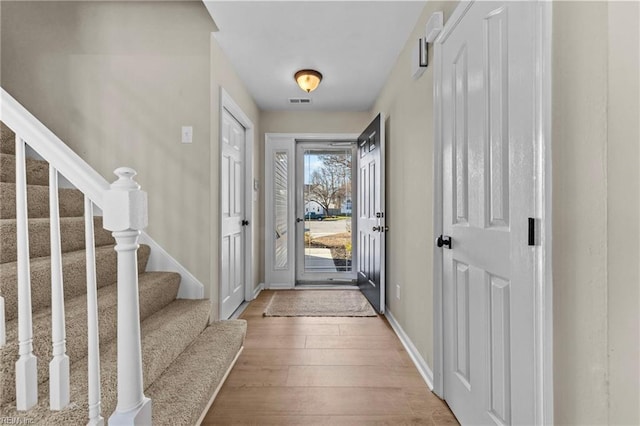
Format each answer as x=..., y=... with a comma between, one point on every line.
x=258, y=290
x=160, y=260
x=279, y=286
x=421, y=364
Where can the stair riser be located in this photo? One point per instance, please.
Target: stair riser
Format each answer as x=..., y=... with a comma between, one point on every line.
x=73, y=275
x=70, y=201
x=37, y=170
x=71, y=231
x=156, y=291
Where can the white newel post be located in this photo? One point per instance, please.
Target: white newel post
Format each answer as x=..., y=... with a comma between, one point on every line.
x=125, y=214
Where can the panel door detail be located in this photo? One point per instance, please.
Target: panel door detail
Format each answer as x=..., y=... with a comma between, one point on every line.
x=233, y=201
x=488, y=114
x=371, y=213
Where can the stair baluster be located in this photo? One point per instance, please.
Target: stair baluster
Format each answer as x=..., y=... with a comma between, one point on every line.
x=26, y=366
x=93, y=351
x=125, y=214
x=59, y=365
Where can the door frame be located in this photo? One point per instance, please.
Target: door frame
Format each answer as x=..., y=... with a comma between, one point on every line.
x=286, y=142
x=324, y=277
x=543, y=167
x=227, y=103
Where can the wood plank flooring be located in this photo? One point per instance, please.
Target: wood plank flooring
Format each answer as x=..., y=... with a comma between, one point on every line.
x=323, y=371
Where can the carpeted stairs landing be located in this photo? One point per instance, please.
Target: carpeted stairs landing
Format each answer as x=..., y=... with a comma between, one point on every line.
x=184, y=358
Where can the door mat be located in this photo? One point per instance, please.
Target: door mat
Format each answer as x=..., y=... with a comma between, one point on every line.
x=319, y=303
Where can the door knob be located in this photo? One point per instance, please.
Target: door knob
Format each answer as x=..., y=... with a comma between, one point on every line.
x=376, y=228
x=245, y=223
x=298, y=220
x=444, y=240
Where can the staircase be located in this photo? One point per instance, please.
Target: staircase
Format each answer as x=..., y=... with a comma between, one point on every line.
x=184, y=358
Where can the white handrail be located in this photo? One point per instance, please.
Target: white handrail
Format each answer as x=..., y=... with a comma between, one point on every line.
x=52, y=149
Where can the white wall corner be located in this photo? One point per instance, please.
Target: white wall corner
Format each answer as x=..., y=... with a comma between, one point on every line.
x=418, y=360
x=160, y=260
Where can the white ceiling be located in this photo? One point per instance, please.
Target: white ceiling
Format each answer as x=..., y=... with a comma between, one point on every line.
x=354, y=44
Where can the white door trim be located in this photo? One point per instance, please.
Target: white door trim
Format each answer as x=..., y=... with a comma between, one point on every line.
x=227, y=103
x=543, y=167
x=286, y=142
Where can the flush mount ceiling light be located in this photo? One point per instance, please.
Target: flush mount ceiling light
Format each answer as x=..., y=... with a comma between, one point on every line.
x=308, y=80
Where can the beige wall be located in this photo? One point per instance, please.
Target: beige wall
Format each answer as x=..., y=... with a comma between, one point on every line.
x=302, y=122
x=595, y=213
x=623, y=214
x=579, y=212
x=223, y=75
x=408, y=106
x=116, y=81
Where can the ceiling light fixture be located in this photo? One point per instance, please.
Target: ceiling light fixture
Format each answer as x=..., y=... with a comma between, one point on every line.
x=308, y=80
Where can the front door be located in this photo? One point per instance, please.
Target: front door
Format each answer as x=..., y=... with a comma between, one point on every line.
x=371, y=213
x=488, y=117
x=233, y=216
x=324, y=222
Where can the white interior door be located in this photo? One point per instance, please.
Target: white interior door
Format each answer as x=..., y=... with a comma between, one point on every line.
x=488, y=127
x=371, y=213
x=233, y=215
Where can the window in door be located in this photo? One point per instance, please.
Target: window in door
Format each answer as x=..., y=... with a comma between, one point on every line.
x=324, y=207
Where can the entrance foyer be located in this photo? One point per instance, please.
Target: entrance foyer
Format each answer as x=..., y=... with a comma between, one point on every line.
x=322, y=370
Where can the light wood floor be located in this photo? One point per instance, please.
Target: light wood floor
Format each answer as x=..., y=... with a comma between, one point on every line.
x=318, y=371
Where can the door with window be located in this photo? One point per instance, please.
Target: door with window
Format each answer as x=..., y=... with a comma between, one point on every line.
x=324, y=212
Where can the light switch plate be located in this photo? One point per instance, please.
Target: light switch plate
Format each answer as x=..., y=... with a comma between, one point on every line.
x=187, y=134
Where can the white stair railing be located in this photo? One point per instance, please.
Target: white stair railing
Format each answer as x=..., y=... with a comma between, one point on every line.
x=124, y=208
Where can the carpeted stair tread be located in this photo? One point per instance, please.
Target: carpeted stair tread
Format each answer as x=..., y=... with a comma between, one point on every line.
x=37, y=170
x=163, y=334
x=73, y=275
x=70, y=201
x=71, y=231
x=7, y=140
x=183, y=391
x=156, y=290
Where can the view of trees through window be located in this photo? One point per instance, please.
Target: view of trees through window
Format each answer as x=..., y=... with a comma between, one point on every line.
x=328, y=209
